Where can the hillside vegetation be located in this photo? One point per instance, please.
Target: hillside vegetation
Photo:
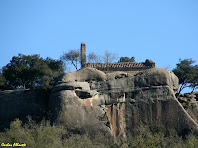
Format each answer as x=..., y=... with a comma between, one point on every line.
x=43, y=135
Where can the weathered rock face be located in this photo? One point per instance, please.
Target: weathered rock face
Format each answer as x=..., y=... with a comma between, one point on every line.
x=190, y=102
x=91, y=101
x=19, y=104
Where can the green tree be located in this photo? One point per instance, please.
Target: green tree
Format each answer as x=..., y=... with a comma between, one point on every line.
x=194, y=81
x=48, y=72
x=126, y=59
x=72, y=56
x=187, y=74
x=32, y=71
x=2, y=81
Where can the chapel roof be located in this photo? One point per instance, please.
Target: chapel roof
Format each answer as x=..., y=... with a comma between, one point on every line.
x=146, y=64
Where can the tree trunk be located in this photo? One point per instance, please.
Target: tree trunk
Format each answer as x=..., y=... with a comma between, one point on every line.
x=193, y=90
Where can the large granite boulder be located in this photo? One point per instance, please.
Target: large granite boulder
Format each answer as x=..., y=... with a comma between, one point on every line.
x=91, y=101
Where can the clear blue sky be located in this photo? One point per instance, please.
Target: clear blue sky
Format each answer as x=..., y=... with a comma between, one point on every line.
x=160, y=30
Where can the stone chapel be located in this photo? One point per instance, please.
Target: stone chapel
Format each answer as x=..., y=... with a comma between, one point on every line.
x=129, y=67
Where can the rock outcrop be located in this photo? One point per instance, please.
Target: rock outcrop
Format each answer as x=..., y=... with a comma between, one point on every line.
x=20, y=104
x=91, y=101
x=190, y=102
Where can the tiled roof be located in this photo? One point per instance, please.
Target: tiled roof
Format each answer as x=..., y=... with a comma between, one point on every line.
x=117, y=65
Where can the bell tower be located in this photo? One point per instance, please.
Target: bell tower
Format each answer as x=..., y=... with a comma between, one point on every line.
x=83, y=55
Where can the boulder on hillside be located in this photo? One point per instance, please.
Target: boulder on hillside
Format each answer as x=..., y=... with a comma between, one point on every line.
x=90, y=101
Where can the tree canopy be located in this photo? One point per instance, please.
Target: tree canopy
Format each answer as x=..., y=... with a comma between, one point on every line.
x=93, y=58
x=109, y=57
x=126, y=59
x=32, y=71
x=187, y=74
x=194, y=80
x=72, y=56
x=2, y=81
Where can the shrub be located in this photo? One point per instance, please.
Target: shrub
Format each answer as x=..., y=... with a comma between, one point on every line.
x=44, y=135
x=33, y=135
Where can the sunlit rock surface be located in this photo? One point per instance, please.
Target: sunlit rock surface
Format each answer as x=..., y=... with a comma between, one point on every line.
x=91, y=101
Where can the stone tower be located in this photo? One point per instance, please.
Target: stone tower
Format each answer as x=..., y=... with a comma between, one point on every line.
x=83, y=55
